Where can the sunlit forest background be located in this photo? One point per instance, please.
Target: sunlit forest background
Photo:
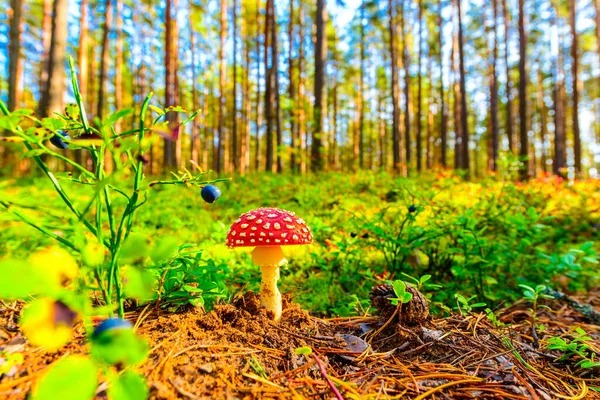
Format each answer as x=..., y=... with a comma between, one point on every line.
x=296, y=85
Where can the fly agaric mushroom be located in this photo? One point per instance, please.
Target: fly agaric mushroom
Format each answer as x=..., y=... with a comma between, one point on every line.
x=267, y=229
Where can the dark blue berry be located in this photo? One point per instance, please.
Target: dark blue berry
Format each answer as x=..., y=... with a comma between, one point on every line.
x=353, y=234
x=58, y=141
x=112, y=324
x=412, y=208
x=210, y=193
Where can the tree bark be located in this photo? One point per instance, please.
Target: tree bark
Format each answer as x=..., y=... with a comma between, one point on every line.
x=463, y=94
x=493, y=164
x=104, y=57
x=575, y=77
x=234, y=131
x=302, y=131
x=443, y=108
x=407, y=84
x=319, y=101
x=221, y=121
x=275, y=76
x=361, y=88
x=258, y=79
x=169, y=150
x=396, y=138
x=523, y=149
x=52, y=93
x=509, y=117
x=119, y=62
x=292, y=90
x=419, y=92
x=268, y=89
x=560, y=158
x=15, y=68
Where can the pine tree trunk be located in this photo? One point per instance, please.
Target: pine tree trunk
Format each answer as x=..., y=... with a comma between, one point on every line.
x=258, y=97
x=169, y=149
x=543, y=119
x=302, y=131
x=15, y=68
x=560, y=158
x=523, y=149
x=195, y=138
x=463, y=94
x=458, y=159
x=493, y=164
x=104, y=57
x=443, y=108
x=319, y=102
x=275, y=72
x=47, y=8
x=407, y=84
x=292, y=91
x=419, y=92
x=247, y=106
x=430, y=121
x=52, y=93
x=218, y=161
x=234, y=131
x=361, y=88
x=396, y=138
x=512, y=145
x=119, y=62
x=575, y=77
x=268, y=89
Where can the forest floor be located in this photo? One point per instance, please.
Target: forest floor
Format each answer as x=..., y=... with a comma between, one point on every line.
x=235, y=351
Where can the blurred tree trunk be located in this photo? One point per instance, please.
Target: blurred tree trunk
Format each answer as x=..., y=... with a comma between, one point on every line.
x=46, y=36
x=119, y=62
x=458, y=159
x=15, y=68
x=396, y=139
x=404, y=35
x=195, y=144
x=234, y=131
x=463, y=93
x=597, y=8
x=575, y=77
x=430, y=121
x=217, y=162
x=302, y=131
x=258, y=97
x=335, y=153
x=543, y=119
x=247, y=107
x=104, y=57
x=275, y=76
x=52, y=92
x=361, y=89
x=443, y=108
x=523, y=149
x=419, y=91
x=512, y=145
x=292, y=91
x=268, y=88
x=560, y=155
x=493, y=162
x=82, y=51
x=169, y=150
x=319, y=101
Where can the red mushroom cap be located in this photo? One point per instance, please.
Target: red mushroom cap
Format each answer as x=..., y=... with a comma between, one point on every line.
x=268, y=227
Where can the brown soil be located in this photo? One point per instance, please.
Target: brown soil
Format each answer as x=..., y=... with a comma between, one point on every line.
x=237, y=352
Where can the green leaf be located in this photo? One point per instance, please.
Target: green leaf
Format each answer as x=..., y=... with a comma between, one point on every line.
x=156, y=110
x=114, y=117
x=72, y=378
x=121, y=346
x=407, y=297
x=19, y=280
x=164, y=249
x=399, y=288
x=135, y=249
x=306, y=350
x=128, y=386
x=139, y=283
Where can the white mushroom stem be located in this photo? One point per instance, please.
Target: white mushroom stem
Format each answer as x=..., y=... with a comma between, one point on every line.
x=269, y=259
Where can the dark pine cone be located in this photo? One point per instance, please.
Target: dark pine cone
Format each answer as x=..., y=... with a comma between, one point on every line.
x=414, y=312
